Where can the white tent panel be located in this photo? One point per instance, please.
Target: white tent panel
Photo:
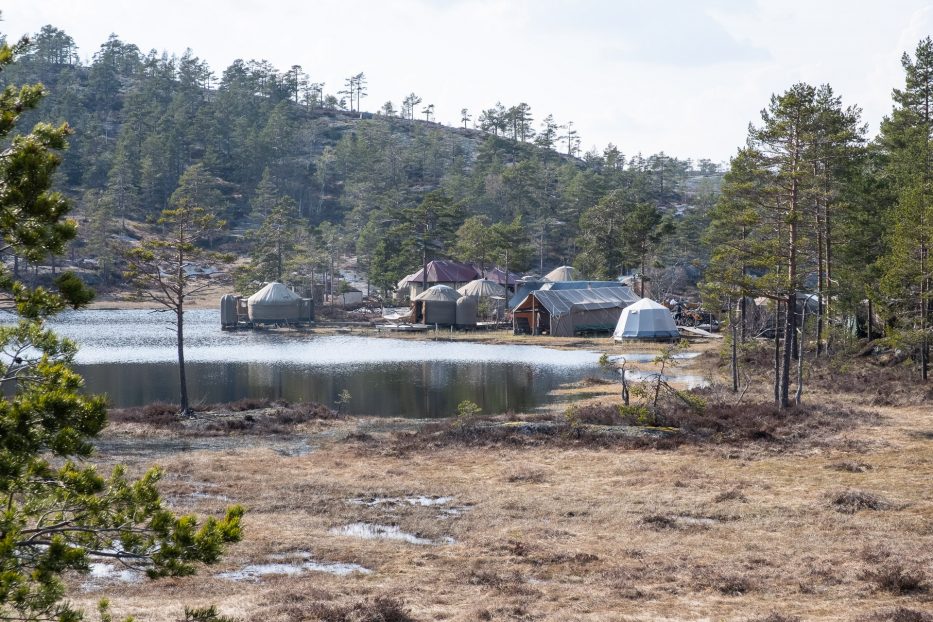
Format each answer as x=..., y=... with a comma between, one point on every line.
x=646, y=319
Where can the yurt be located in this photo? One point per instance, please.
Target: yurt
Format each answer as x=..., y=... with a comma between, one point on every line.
x=563, y=273
x=466, y=312
x=436, y=305
x=275, y=303
x=646, y=320
x=486, y=293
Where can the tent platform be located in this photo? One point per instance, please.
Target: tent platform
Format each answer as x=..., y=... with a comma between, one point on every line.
x=692, y=331
x=403, y=328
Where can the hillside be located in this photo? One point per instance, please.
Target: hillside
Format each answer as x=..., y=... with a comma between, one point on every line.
x=151, y=129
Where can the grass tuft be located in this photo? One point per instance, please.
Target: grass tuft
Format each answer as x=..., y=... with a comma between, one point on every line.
x=852, y=501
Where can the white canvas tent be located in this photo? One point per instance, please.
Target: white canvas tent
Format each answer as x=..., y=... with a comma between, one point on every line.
x=276, y=303
x=647, y=320
x=563, y=273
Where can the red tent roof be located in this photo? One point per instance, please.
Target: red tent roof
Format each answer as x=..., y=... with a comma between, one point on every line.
x=497, y=275
x=444, y=271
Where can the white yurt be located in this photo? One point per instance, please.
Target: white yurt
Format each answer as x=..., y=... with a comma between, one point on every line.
x=563, y=273
x=482, y=288
x=275, y=303
x=646, y=320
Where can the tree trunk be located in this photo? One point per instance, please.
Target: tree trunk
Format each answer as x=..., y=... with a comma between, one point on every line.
x=790, y=317
x=180, y=337
x=735, y=349
x=869, y=320
x=800, y=343
x=820, y=284
x=777, y=353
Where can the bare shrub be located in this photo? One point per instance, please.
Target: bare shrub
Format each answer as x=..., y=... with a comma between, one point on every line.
x=774, y=616
x=726, y=584
x=659, y=521
x=378, y=609
x=852, y=501
x=159, y=414
x=901, y=614
x=848, y=466
x=733, y=494
x=529, y=476
x=243, y=404
x=896, y=578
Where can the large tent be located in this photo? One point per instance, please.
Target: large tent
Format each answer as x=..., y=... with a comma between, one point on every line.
x=646, y=320
x=527, y=287
x=563, y=273
x=275, y=303
x=565, y=312
x=436, y=305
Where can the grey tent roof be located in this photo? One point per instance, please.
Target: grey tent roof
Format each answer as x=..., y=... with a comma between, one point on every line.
x=562, y=273
x=273, y=294
x=562, y=301
x=439, y=292
x=525, y=288
x=482, y=287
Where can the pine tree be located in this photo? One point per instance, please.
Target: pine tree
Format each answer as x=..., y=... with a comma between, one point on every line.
x=906, y=138
x=59, y=512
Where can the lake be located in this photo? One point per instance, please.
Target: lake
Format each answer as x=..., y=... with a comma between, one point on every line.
x=131, y=357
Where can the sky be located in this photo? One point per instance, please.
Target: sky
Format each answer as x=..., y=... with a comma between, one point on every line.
x=684, y=77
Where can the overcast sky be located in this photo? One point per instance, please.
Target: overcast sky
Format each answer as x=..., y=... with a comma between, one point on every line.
x=685, y=77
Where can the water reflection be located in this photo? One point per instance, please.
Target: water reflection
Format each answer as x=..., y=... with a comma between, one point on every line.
x=130, y=355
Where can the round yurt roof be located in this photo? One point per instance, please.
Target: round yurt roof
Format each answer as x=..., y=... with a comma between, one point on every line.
x=273, y=294
x=563, y=273
x=481, y=288
x=405, y=281
x=439, y=292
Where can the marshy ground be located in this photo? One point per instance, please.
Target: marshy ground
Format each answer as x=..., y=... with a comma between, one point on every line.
x=825, y=513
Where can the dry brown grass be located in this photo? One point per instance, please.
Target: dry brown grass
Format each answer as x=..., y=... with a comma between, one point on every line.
x=736, y=529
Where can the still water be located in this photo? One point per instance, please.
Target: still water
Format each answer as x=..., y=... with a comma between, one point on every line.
x=131, y=357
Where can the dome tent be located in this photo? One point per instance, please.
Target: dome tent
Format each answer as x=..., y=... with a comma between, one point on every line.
x=276, y=303
x=563, y=273
x=647, y=320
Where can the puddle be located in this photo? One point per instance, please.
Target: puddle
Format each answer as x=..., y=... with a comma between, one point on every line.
x=101, y=573
x=691, y=381
x=428, y=501
x=370, y=531
x=372, y=502
x=255, y=572
x=420, y=501
x=455, y=511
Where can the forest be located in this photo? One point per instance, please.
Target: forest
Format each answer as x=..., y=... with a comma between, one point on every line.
x=302, y=177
